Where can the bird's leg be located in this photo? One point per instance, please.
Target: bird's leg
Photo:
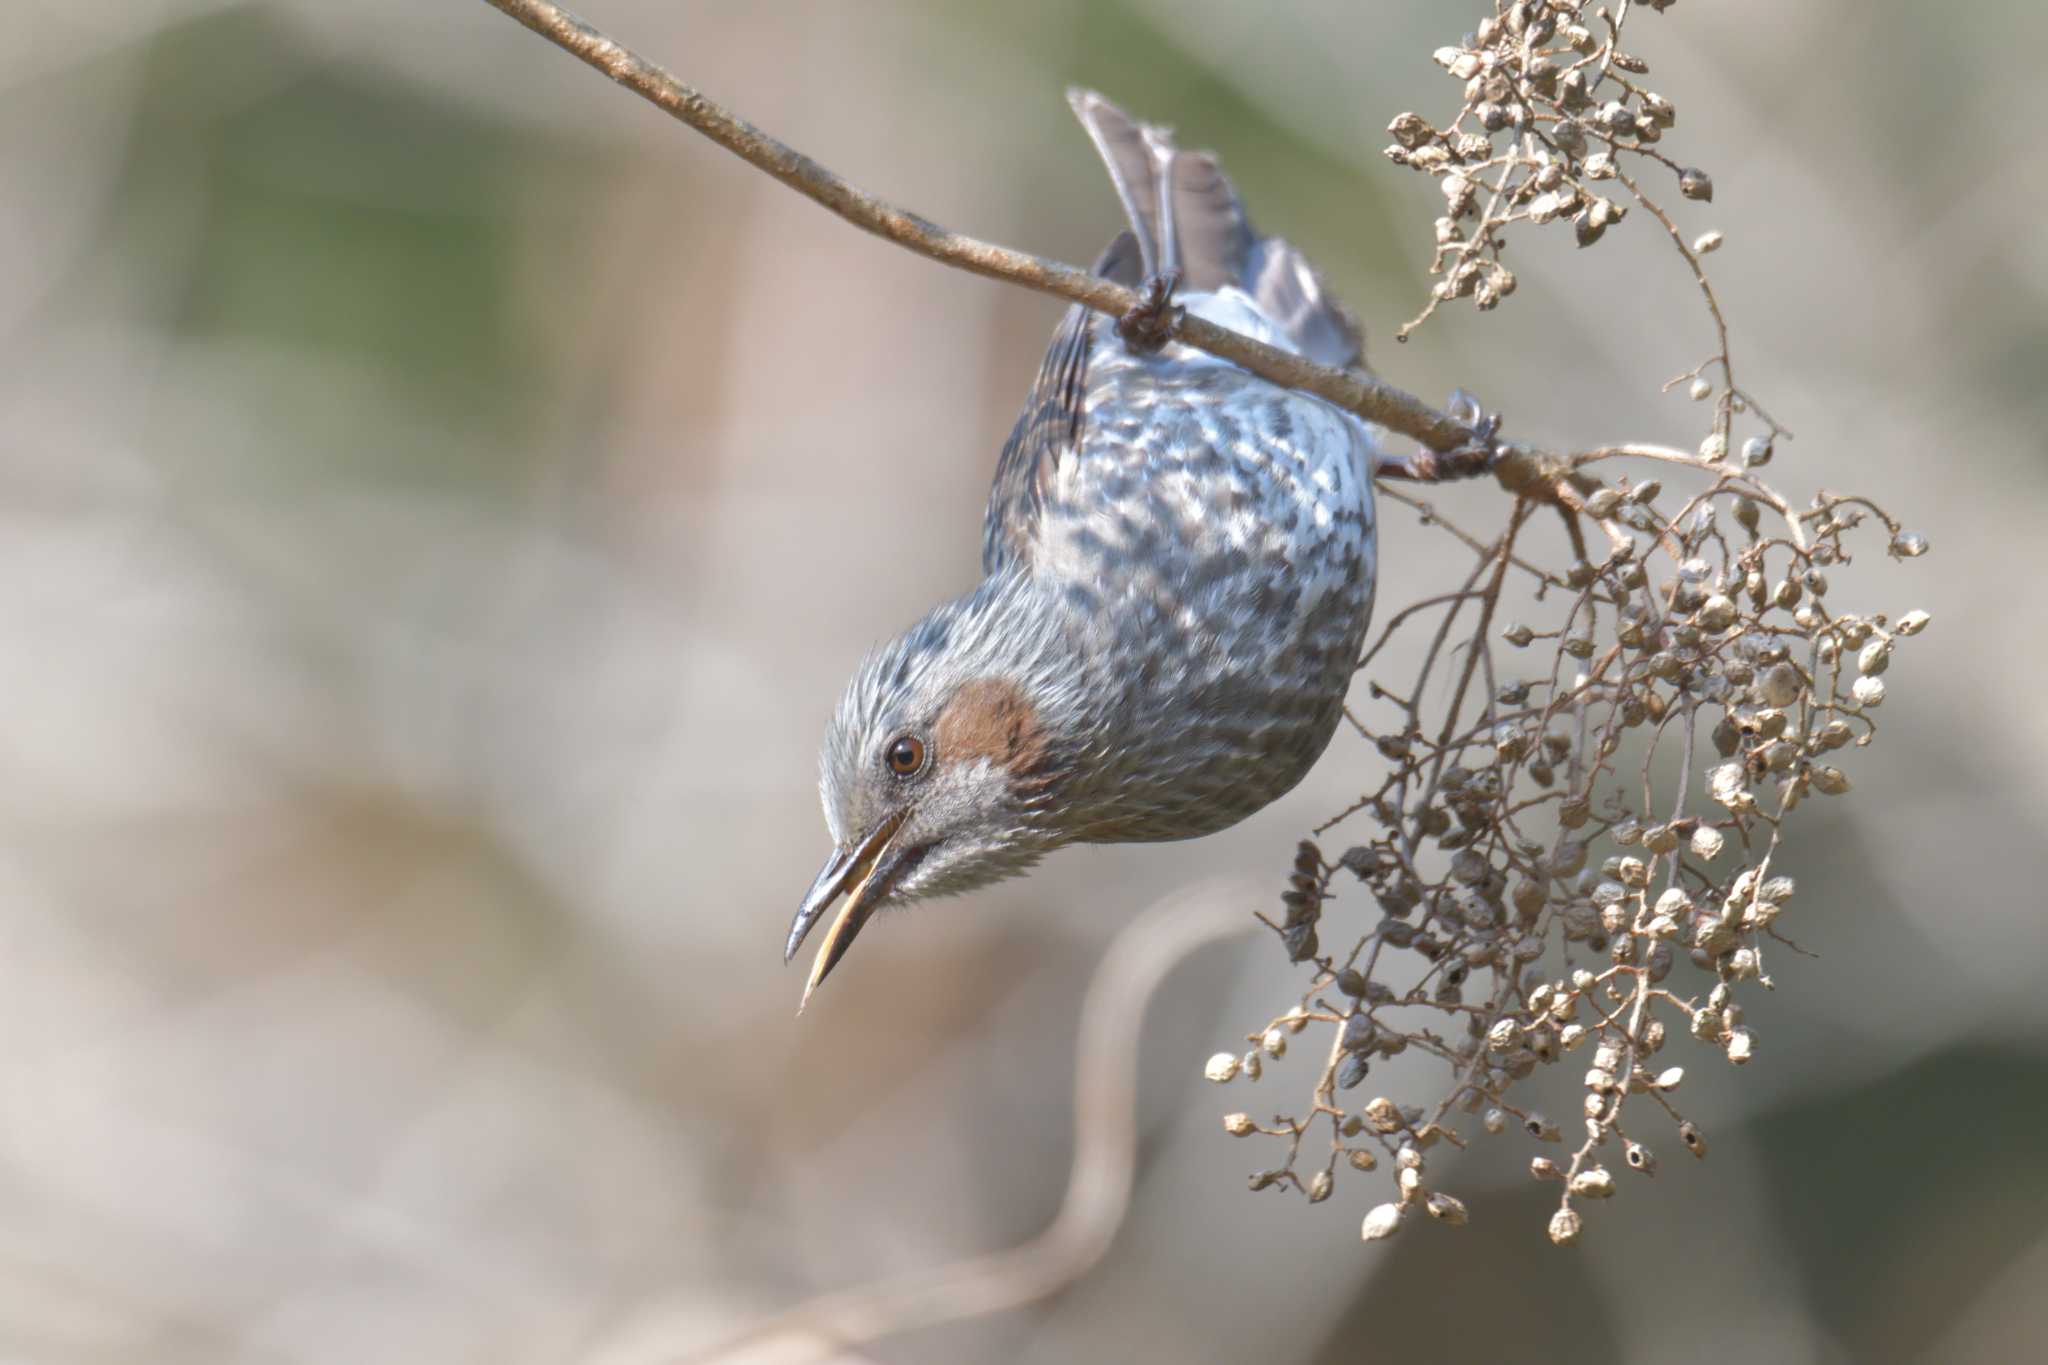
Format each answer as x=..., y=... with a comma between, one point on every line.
x=1148, y=324
x=1468, y=461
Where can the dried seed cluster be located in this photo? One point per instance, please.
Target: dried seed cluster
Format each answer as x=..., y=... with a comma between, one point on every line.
x=1575, y=860
x=1552, y=111
x=1578, y=852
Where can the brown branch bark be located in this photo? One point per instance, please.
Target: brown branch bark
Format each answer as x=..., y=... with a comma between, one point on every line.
x=1521, y=471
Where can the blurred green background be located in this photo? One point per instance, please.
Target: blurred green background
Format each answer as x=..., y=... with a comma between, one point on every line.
x=442, y=501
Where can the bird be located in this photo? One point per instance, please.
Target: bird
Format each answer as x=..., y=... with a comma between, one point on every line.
x=1179, y=562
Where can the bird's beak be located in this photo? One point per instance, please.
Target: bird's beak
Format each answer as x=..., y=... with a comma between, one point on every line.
x=862, y=874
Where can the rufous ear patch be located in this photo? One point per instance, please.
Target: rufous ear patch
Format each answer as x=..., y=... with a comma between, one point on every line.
x=992, y=719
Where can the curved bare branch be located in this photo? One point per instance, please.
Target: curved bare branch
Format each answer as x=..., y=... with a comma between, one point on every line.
x=1523, y=472
x=1105, y=1157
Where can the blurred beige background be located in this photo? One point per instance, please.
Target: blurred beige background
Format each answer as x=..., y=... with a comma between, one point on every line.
x=440, y=500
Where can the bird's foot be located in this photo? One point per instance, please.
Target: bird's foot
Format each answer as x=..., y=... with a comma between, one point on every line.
x=1148, y=324
x=1477, y=456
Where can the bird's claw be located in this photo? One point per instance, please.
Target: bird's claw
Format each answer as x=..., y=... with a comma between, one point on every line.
x=1483, y=453
x=1476, y=457
x=1148, y=324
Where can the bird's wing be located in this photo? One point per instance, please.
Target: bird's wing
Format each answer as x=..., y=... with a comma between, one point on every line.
x=1048, y=430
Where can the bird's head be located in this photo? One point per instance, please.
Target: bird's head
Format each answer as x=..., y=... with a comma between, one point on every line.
x=942, y=765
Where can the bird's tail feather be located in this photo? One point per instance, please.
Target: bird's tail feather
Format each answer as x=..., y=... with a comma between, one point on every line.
x=1187, y=216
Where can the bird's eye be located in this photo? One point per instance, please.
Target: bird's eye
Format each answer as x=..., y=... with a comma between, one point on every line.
x=905, y=755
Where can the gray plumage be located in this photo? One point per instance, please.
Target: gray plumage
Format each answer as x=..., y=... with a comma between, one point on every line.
x=1179, y=562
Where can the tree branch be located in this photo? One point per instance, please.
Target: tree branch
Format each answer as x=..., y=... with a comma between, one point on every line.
x=1099, y=1183
x=1521, y=471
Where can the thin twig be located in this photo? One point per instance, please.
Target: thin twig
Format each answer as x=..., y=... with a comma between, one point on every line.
x=1105, y=1157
